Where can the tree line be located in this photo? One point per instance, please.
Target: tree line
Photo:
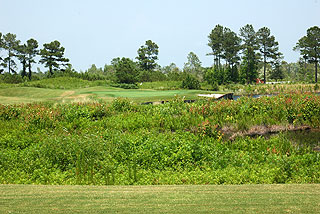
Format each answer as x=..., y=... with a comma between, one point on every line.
x=245, y=53
x=52, y=55
x=237, y=58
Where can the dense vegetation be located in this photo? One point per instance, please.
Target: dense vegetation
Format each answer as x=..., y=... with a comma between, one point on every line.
x=173, y=143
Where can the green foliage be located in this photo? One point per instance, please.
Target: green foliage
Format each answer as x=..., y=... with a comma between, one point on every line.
x=216, y=43
x=148, y=55
x=151, y=76
x=309, y=46
x=249, y=65
x=10, y=44
x=63, y=83
x=225, y=44
x=121, y=105
x=215, y=76
x=172, y=72
x=190, y=82
x=10, y=78
x=249, y=68
x=269, y=49
x=193, y=65
x=125, y=85
x=277, y=71
x=31, y=51
x=161, y=85
x=125, y=70
x=173, y=143
x=52, y=56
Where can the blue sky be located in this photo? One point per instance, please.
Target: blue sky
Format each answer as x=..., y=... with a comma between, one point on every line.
x=96, y=31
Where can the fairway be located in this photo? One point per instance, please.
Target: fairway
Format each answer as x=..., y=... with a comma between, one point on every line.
x=160, y=199
x=16, y=95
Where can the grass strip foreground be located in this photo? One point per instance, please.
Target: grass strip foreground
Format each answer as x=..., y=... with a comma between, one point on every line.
x=292, y=198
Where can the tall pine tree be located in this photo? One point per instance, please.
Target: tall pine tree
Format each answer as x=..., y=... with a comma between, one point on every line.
x=309, y=47
x=250, y=55
x=269, y=48
x=52, y=56
x=11, y=44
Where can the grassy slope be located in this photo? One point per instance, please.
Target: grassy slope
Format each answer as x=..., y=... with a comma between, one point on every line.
x=160, y=199
x=26, y=95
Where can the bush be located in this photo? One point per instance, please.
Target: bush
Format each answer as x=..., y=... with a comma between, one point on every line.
x=126, y=70
x=190, y=82
x=11, y=78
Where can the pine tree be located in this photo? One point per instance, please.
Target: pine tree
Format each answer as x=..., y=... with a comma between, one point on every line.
x=52, y=56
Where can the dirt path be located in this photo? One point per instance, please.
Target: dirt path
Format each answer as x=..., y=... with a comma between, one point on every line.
x=67, y=93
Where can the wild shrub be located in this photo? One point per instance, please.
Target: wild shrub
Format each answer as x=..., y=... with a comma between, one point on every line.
x=174, y=143
x=190, y=82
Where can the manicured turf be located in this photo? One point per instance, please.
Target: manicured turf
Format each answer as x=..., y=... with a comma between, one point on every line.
x=160, y=199
x=15, y=95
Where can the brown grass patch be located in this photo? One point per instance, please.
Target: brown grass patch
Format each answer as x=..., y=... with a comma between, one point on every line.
x=263, y=130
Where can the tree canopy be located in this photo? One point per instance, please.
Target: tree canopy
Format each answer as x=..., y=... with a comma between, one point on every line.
x=250, y=57
x=269, y=47
x=216, y=43
x=52, y=56
x=309, y=47
x=11, y=44
x=125, y=70
x=148, y=55
x=193, y=65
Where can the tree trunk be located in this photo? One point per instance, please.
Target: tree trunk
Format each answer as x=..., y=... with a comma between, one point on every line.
x=264, y=69
x=29, y=74
x=50, y=70
x=9, y=64
x=24, y=72
x=316, y=71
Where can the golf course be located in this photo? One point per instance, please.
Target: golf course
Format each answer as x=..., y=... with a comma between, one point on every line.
x=159, y=107
x=89, y=141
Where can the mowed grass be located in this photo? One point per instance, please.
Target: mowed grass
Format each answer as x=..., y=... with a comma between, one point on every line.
x=15, y=95
x=160, y=199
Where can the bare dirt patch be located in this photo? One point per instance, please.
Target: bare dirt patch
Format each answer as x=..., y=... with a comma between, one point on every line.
x=67, y=93
x=261, y=130
x=81, y=98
